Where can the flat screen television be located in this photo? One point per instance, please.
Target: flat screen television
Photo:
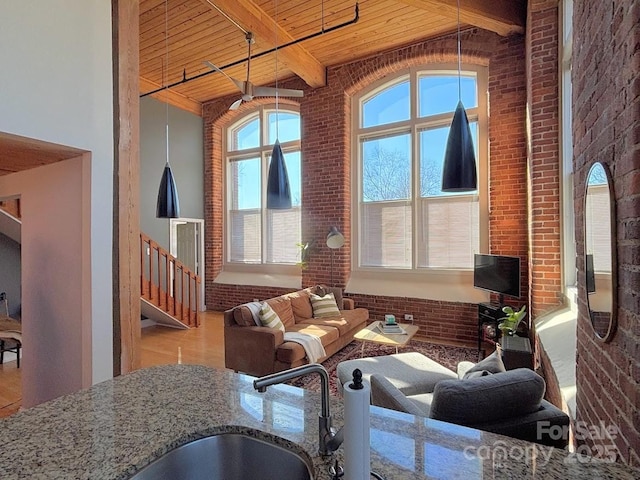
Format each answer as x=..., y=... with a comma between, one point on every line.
x=498, y=274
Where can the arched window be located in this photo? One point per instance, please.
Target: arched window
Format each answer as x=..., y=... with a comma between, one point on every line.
x=256, y=235
x=404, y=221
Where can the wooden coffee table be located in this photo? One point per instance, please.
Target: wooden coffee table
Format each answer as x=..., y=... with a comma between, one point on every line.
x=372, y=334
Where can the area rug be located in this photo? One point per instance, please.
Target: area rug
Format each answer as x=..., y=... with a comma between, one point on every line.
x=446, y=355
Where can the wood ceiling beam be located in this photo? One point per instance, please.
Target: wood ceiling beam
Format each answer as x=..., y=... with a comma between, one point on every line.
x=253, y=19
x=503, y=17
x=171, y=97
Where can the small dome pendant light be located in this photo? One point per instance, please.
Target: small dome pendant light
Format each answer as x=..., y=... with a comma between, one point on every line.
x=459, y=170
x=167, y=205
x=278, y=189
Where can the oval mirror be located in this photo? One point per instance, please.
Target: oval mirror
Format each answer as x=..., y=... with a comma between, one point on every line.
x=600, y=251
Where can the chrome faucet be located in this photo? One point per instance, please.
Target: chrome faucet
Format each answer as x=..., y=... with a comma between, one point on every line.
x=329, y=439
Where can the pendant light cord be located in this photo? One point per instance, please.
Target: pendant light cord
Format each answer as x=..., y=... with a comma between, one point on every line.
x=166, y=75
x=459, y=57
x=277, y=114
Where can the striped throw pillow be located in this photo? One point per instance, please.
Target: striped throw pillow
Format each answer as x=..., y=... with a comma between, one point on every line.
x=324, y=306
x=269, y=318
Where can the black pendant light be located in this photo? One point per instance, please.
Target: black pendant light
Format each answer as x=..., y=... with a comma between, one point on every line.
x=167, y=205
x=278, y=190
x=459, y=171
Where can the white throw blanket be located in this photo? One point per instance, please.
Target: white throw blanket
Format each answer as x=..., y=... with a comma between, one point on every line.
x=311, y=344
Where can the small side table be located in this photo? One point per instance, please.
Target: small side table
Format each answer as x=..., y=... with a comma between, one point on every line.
x=516, y=352
x=372, y=334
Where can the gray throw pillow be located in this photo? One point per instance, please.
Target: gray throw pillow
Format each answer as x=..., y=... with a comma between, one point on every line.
x=492, y=364
x=489, y=398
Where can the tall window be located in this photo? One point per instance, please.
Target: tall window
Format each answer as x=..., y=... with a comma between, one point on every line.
x=405, y=220
x=256, y=235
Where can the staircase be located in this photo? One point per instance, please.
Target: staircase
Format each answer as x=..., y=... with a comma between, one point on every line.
x=176, y=306
x=170, y=291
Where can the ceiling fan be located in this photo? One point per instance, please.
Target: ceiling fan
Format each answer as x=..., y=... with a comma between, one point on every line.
x=248, y=89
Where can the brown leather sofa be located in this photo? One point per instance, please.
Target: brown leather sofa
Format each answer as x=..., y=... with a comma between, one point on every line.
x=258, y=350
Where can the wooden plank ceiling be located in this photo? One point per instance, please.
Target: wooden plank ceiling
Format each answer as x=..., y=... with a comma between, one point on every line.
x=20, y=153
x=184, y=33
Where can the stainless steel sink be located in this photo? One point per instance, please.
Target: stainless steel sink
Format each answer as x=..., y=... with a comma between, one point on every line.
x=228, y=456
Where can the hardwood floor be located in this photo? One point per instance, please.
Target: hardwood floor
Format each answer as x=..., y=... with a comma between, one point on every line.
x=159, y=346
x=203, y=345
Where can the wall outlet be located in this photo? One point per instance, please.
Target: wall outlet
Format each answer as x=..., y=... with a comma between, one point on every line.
x=408, y=317
x=256, y=300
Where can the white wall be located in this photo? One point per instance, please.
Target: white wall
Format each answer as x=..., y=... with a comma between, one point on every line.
x=186, y=157
x=56, y=277
x=56, y=85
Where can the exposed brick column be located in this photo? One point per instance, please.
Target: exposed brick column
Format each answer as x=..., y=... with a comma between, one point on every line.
x=606, y=128
x=213, y=204
x=545, y=259
x=508, y=228
x=326, y=179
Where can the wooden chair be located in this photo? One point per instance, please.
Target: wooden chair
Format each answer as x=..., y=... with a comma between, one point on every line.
x=10, y=335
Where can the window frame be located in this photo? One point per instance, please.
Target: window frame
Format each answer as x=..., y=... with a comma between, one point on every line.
x=396, y=280
x=245, y=272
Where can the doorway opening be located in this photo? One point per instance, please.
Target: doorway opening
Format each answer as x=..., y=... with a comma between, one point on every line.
x=186, y=241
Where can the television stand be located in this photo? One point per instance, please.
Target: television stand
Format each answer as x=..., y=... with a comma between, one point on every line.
x=488, y=316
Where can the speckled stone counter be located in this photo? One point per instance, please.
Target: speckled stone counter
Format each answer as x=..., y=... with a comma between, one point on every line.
x=115, y=428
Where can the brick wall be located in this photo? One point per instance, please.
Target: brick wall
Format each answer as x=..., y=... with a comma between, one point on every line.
x=606, y=126
x=326, y=190
x=545, y=259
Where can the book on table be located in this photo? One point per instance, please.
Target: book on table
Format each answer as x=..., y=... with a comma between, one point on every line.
x=391, y=328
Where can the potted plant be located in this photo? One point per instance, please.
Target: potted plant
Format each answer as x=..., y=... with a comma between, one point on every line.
x=510, y=322
x=305, y=250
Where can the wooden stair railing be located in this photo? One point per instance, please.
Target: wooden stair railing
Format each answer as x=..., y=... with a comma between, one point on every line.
x=168, y=284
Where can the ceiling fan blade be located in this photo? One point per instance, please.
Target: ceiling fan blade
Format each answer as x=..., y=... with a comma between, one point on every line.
x=235, y=105
x=271, y=92
x=237, y=83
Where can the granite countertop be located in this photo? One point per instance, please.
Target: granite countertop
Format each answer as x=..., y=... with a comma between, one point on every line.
x=117, y=427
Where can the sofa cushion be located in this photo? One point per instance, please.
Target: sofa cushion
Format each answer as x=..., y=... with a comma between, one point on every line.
x=411, y=372
x=290, y=352
x=270, y=318
x=345, y=323
x=487, y=398
x=385, y=394
x=282, y=306
x=324, y=306
x=300, y=304
x=492, y=364
x=476, y=374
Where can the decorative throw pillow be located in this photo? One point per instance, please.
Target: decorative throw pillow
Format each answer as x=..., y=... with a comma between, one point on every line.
x=492, y=364
x=324, y=306
x=269, y=318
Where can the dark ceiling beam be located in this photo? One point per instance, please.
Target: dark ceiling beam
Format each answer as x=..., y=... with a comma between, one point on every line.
x=504, y=17
x=171, y=97
x=253, y=19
